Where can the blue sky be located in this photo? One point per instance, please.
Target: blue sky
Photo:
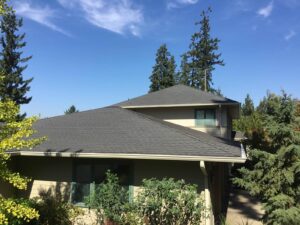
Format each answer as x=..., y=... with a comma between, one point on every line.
x=92, y=53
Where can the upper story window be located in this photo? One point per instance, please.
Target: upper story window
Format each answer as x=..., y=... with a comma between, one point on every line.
x=205, y=117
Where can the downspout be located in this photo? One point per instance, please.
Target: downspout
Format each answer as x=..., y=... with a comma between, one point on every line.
x=220, y=119
x=208, y=220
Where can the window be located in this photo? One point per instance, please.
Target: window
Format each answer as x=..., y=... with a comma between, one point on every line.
x=205, y=117
x=88, y=174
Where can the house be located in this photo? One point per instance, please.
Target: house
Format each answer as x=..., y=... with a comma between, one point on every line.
x=177, y=132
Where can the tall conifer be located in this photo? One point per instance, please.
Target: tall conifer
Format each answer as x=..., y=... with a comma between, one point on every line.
x=248, y=106
x=163, y=72
x=202, y=55
x=13, y=86
x=274, y=174
x=183, y=75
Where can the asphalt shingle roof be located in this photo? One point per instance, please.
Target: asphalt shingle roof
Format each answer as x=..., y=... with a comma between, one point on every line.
x=176, y=95
x=118, y=130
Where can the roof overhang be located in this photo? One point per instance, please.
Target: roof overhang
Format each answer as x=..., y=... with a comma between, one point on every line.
x=241, y=159
x=179, y=105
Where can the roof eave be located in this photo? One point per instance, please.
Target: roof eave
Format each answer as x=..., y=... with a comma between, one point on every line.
x=133, y=156
x=178, y=105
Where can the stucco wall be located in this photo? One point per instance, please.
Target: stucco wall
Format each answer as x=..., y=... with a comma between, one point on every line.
x=46, y=173
x=185, y=116
x=188, y=171
x=56, y=173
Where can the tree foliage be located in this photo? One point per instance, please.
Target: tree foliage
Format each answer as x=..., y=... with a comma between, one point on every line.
x=274, y=171
x=71, y=109
x=163, y=72
x=182, y=77
x=14, y=135
x=247, y=106
x=203, y=56
x=13, y=86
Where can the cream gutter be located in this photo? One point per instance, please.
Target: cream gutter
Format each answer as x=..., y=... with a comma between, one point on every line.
x=132, y=156
x=175, y=105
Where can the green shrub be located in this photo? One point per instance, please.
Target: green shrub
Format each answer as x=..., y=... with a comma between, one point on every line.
x=166, y=202
x=54, y=210
x=110, y=200
x=169, y=202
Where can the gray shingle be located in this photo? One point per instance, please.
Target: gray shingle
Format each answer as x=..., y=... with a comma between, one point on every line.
x=177, y=95
x=117, y=130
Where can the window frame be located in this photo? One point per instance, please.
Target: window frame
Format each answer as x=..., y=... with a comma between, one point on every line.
x=197, y=124
x=92, y=184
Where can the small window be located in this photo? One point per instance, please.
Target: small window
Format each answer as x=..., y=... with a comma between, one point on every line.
x=205, y=117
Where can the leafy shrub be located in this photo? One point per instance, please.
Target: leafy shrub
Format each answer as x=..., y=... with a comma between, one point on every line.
x=110, y=200
x=54, y=210
x=166, y=202
x=169, y=202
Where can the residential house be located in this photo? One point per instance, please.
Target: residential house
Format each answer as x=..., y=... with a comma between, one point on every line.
x=178, y=132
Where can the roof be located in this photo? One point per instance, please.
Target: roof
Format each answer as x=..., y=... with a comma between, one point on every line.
x=114, y=130
x=178, y=95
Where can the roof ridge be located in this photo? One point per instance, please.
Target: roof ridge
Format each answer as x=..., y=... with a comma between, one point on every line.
x=177, y=90
x=172, y=126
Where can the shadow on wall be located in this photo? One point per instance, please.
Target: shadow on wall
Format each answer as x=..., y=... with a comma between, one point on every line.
x=54, y=206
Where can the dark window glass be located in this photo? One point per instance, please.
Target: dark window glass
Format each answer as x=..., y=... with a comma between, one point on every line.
x=87, y=176
x=205, y=117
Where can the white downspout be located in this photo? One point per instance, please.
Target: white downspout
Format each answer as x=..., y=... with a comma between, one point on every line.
x=208, y=220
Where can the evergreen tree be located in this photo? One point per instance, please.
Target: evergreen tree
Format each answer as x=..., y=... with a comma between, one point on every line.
x=248, y=106
x=71, y=110
x=13, y=86
x=183, y=75
x=274, y=175
x=163, y=72
x=202, y=55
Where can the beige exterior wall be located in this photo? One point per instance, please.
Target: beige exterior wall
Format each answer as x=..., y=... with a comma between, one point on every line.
x=46, y=173
x=185, y=116
x=188, y=171
x=56, y=173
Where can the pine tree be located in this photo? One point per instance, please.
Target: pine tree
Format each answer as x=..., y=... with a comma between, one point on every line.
x=182, y=76
x=248, y=106
x=202, y=55
x=71, y=110
x=163, y=72
x=274, y=175
x=13, y=86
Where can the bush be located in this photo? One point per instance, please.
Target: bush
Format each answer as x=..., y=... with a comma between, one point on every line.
x=54, y=210
x=166, y=201
x=110, y=201
x=169, y=202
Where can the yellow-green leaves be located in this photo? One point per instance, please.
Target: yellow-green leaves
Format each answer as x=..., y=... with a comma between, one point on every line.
x=14, y=134
x=17, y=210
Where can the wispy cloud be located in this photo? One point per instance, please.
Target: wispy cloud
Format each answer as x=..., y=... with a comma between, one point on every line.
x=119, y=16
x=171, y=4
x=42, y=15
x=267, y=10
x=290, y=35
